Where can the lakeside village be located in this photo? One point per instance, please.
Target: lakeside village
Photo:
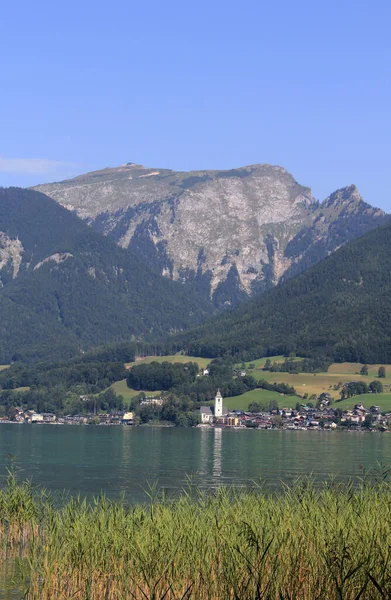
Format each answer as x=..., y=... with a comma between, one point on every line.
x=322, y=417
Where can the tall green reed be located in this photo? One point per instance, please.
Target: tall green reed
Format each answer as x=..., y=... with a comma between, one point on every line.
x=305, y=542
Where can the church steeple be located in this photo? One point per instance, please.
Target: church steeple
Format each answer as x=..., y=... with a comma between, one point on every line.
x=218, y=404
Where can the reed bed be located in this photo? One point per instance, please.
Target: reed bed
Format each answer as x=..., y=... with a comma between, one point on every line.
x=306, y=542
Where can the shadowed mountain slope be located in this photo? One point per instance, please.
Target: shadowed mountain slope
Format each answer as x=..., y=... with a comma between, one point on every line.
x=340, y=308
x=65, y=287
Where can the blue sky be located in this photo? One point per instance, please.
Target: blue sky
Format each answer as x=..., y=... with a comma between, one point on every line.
x=198, y=85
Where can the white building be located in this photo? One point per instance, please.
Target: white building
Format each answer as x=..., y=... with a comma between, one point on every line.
x=210, y=415
x=151, y=402
x=36, y=418
x=218, y=405
x=206, y=415
x=128, y=418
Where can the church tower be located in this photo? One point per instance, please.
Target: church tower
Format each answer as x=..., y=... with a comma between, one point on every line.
x=218, y=404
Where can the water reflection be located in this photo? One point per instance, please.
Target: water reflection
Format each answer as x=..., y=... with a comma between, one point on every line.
x=204, y=453
x=88, y=460
x=217, y=452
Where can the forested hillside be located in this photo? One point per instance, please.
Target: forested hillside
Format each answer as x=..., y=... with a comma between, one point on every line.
x=65, y=287
x=340, y=308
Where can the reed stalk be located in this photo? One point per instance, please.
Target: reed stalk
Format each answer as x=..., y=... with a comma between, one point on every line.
x=304, y=543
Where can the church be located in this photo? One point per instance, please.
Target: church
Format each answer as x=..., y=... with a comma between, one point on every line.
x=216, y=414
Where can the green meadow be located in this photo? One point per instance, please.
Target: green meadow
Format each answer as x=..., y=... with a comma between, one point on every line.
x=174, y=358
x=317, y=383
x=308, y=383
x=262, y=396
x=382, y=400
x=354, y=369
x=259, y=363
x=120, y=387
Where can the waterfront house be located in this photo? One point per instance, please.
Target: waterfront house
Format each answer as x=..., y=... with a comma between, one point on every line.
x=36, y=418
x=356, y=419
x=104, y=418
x=128, y=418
x=48, y=417
x=19, y=415
x=233, y=421
x=76, y=419
x=115, y=417
x=32, y=417
x=206, y=415
x=377, y=418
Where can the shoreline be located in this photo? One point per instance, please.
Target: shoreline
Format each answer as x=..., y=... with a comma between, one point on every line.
x=204, y=428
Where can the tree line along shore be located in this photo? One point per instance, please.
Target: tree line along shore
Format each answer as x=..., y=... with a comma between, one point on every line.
x=272, y=392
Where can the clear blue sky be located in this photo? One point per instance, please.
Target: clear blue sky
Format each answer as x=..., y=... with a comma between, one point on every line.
x=198, y=85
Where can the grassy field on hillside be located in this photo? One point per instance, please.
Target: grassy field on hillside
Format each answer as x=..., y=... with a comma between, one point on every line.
x=263, y=396
x=120, y=387
x=2, y=367
x=382, y=400
x=174, y=358
x=308, y=383
x=316, y=383
x=354, y=369
x=260, y=362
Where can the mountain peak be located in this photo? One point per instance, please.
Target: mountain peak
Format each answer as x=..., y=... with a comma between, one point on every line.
x=347, y=192
x=349, y=196
x=231, y=232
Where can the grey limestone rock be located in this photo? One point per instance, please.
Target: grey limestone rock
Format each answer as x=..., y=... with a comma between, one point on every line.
x=231, y=233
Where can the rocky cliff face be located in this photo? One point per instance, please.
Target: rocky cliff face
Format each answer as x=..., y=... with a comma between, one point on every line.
x=11, y=251
x=230, y=233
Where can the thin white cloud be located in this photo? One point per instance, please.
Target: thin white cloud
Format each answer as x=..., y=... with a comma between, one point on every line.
x=32, y=166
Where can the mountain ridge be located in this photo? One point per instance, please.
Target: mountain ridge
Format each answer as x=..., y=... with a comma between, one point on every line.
x=230, y=233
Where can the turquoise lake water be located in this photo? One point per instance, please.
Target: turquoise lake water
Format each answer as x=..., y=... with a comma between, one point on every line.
x=89, y=459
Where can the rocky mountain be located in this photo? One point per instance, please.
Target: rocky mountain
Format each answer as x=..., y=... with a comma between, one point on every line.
x=65, y=287
x=339, y=308
x=230, y=233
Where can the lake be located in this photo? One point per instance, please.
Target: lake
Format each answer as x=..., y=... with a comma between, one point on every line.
x=116, y=460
